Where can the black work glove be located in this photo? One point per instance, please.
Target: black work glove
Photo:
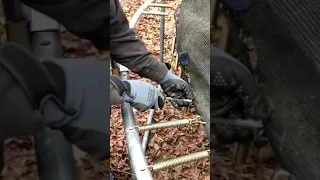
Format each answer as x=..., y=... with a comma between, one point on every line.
x=175, y=87
x=231, y=83
x=83, y=113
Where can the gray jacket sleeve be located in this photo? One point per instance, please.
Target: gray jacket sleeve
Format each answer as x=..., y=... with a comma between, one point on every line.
x=91, y=20
x=128, y=50
x=107, y=31
x=115, y=98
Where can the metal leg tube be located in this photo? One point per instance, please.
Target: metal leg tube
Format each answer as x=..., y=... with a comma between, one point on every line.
x=137, y=157
x=147, y=133
x=55, y=158
x=162, y=26
x=54, y=154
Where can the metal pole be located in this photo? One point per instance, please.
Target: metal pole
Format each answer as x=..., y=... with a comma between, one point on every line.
x=137, y=157
x=139, y=13
x=54, y=154
x=147, y=133
x=155, y=13
x=150, y=117
x=162, y=26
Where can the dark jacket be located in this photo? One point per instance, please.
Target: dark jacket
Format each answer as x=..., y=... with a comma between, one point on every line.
x=104, y=23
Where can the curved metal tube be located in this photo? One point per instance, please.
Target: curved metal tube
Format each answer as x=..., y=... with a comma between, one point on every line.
x=137, y=157
x=138, y=14
x=133, y=23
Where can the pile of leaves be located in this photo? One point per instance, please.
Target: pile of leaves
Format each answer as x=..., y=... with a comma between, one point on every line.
x=167, y=143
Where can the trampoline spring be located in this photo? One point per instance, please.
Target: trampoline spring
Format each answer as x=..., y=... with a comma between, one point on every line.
x=169, y=124
x=166, y=164
x=155, y=13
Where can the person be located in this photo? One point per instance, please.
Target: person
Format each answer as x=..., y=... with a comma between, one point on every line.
x=72, y=96
x=232, y=80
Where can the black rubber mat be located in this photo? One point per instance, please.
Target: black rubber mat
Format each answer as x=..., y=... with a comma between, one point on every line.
x=293, y=81
x=193, y=37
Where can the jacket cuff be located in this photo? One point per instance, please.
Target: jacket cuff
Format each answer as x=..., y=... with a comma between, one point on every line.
x=156, y=72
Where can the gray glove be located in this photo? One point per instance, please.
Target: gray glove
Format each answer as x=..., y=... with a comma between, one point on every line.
x=143, y=95
x=176, y=87
x=82, y=115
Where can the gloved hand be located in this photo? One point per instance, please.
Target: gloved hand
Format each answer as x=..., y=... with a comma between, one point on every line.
x=82, y=114
x=67, y=95
x=230, y=80
x=175, y=87
x=143, y=95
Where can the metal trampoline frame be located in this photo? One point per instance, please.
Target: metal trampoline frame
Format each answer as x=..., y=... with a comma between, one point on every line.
x=139, y=165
